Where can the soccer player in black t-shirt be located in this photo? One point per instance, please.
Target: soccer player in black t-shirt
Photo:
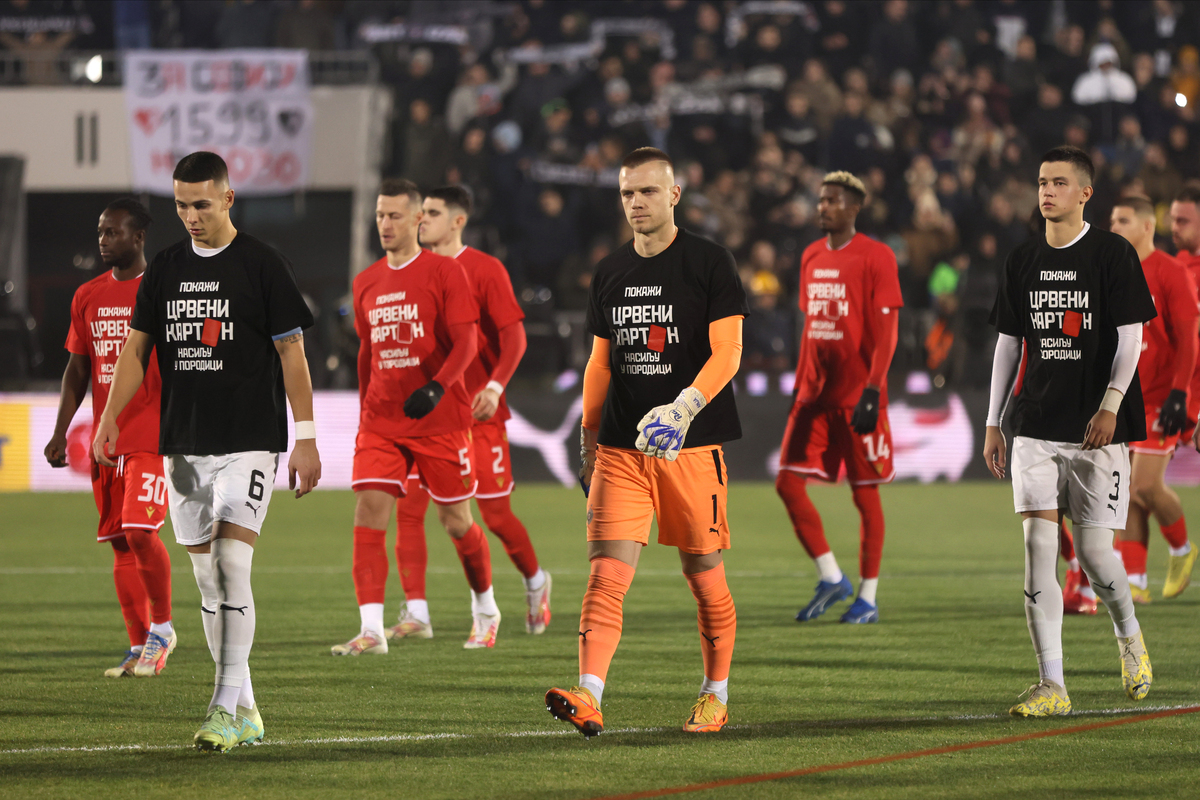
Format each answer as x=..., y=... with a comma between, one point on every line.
x=224, y=315
x=665, y=314
x=1077, y=297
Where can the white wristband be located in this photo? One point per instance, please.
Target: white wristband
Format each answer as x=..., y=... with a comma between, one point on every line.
x=495, y=386
x=306, y=429
x=1112, y=400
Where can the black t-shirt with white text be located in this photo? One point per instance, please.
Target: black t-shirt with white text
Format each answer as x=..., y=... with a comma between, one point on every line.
x=655, y=313
x=1067, y=305
x=214, y=320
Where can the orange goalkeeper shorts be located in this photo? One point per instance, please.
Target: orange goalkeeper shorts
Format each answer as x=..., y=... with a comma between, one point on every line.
x=688, y=496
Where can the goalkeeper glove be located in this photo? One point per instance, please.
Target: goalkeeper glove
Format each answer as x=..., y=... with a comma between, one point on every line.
x=423, y=400
x=661, y=432
x=1172, y=417
x=587, y=458
x=866, y=413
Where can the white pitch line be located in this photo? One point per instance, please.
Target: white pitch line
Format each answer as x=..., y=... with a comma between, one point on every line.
x=426, y=737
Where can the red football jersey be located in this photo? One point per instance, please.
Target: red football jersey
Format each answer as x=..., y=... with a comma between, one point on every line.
x=100, y=314
x=1174, y=292
x=498, y=309
x=837, y=289
x=403, y=316
x=1192, y=262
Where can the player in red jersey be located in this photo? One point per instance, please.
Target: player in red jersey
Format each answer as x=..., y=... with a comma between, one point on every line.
x=850, y=293
x=131, y=497
x=416, y=317
x=501, y=345
x=1166, y=367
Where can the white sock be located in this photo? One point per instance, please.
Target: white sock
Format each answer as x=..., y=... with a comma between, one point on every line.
x=246, y=694
x=234, y=629
x=1052, y=671
x=1181, y=551
x=593, y=685
x=719, y=688
x=1140, y=581
x=536, y=582
x=1043, y=596
x=1087, y=592
x=1094, y=546
x=484, y=603
x=1073, y=564
x=866, y=591
x=207, y=584
x=827, y=568
x=419, y=609
x=136, y=649
x=372, y=617
x=163, y=629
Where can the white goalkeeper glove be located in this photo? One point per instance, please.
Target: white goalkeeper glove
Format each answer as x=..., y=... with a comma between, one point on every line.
x=661, y=432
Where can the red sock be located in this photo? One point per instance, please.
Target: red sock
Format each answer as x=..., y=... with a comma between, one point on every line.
x=1066, y=542
x=806, y=521
x=1176, y=532
x=717, y=619
x=602, y=615
x=154, y=567
x=412, y=557
x=870, y=534
x=476, y=558
x=131, y=593
x=1134, y=556
x=370, y=565
x=498, y=516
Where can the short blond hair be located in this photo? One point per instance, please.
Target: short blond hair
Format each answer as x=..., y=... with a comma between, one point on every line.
x=848, y=182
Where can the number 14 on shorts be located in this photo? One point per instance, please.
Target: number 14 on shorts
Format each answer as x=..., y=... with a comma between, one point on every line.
x=876, y=446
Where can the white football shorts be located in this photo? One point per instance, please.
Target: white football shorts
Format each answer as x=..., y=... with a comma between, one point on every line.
x=1092, y=485
x=233, y=488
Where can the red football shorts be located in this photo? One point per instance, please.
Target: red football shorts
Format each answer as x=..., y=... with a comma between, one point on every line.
x=132, y=494
x=492, y=464
x=687, y=495
x=1156, y=442
x=443, y=462
x=819, y=440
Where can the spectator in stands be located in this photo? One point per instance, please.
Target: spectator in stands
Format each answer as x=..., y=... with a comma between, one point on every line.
x=852, y=141
x=426, y=150
x=769, y=331
x=245, y=24
x=36, y=33
x=1160, y=180
x=1185, y=78
x=307, y=25
x=824, y=96
x=1105, y=89
x=131, y=25
x=478, y=96
x=1126, y=152
x=549, y=234
x=798, y=127
x=894, y=43
x=1047, y=122
x=932, y=236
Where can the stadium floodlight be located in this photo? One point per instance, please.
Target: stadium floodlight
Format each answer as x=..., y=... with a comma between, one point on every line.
x=1181, y=99
x=94, y=69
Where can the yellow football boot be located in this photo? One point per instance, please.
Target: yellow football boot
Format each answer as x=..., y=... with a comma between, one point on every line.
x=219, y=733
x=708, y=715
x=1140, y=596
x=1179, y=573
x=1043, y=699
x=1136, y=673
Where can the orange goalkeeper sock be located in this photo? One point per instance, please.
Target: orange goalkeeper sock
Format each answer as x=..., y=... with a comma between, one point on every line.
x=600, y=620
x=717, y=619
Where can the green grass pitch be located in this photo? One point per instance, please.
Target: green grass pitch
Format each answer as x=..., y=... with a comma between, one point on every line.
x=430, y=720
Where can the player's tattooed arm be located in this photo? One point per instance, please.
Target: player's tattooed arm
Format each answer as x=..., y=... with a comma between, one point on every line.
x=304, y=465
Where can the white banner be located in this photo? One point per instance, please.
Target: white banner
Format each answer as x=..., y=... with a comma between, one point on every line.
x=249, y=106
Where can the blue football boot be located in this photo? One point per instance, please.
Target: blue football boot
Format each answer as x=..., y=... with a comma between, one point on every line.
x=861, y=612
x=826, y=595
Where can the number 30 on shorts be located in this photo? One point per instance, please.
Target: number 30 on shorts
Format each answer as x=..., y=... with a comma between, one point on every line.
x=154, y=489
x=876, y=451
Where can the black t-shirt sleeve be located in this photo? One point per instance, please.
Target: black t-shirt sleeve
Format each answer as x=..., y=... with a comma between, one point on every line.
x=286, y=309
x=145, y=307
x=1129, y=299
x=1005, y=312
x=726, y=295
x=596, y=325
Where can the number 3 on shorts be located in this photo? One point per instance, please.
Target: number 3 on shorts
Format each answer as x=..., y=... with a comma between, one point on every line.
x=875, y=453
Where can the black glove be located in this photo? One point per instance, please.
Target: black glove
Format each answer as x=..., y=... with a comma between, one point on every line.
x=423, y=400
x=866, y=413
x=1172, y=417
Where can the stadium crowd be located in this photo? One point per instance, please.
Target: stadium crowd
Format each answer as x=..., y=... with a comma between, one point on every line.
x=942, y=107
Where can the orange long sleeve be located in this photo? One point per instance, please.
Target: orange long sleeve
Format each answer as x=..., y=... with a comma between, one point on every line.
x=596, y=376
x=725, y=338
